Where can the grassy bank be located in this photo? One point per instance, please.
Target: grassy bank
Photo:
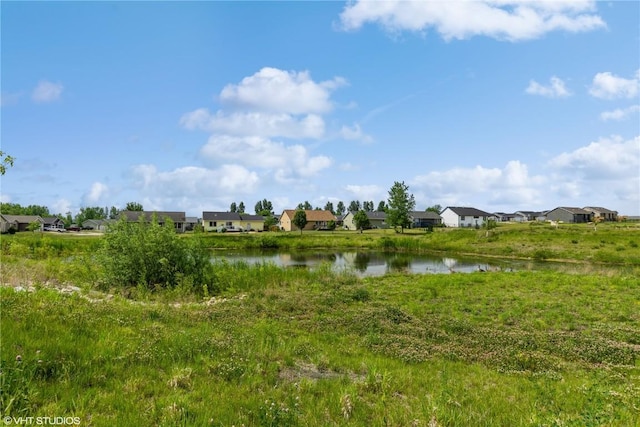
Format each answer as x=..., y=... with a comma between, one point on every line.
x=288, y=348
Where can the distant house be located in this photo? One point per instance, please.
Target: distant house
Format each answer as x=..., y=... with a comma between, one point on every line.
x=178, y=218
x=567, y=214
x=454, y=216
x=424, y=219
x=190, y=222
x=376, y=220
x=530, y=215
x=232, y=221
x=97, y=224
x=602, y=213
x=19, y=222
x=503, y=217
x=316, y=219
x=53, y=222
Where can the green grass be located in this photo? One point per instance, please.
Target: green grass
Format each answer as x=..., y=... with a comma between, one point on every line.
x=301, y=348
x=268, y=346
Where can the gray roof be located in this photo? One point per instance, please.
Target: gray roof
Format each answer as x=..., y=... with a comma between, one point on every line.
x=424, y=215
x=599, y=210
x=230, y=216
x=22, y=219
x=221, y=216
x=466, y=211
x=161, y=215
x=576, y=211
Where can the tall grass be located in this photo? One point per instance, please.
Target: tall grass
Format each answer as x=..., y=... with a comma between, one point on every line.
x=298, y=347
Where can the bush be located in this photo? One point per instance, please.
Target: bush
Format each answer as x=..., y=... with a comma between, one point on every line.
x=154, y=256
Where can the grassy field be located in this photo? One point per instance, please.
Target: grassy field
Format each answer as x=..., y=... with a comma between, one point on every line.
x=290, y=347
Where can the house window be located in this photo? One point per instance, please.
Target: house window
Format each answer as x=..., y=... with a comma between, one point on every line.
x=476, y=217
x=229, y=224
x=461, y=217
x=212, y=224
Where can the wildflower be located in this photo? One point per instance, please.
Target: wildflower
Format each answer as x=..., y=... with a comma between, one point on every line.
x=18, y=358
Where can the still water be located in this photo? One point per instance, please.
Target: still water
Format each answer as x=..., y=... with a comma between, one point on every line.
x=374, y=263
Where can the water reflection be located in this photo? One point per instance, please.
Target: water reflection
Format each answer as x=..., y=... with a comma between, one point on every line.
x=369, y=263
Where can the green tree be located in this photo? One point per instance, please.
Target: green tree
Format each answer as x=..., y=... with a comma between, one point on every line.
x=148, y=254
x=113, y=213
x=233, y=207
x=307, y=206
x=382, y=206
x=354, y=206
x=401, y=203
x=340, y=208
x=134, y=206
x=34, y=226
x=329, y=207
x=435, y=208
x=361, y=220
x=331, y=225
x=300, y=219
x=5, y=162
x=241, y=207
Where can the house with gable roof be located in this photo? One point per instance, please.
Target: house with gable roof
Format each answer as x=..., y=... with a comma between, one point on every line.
x=569, y=214
x=603, y=214
x=19, y=222
x=178, y=218
x=457, y=216
x=316, y=219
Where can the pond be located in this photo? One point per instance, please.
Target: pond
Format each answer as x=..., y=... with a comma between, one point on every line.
x=376, y=263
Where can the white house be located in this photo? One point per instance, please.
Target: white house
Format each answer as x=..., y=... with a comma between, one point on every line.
x=463, y=217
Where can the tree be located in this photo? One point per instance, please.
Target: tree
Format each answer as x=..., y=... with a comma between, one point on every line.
x=241, y=207
x=340, y=208
x=134, y=206
x=233, y=207
x=300, y=219
x=382, y=206
x=113, y=212
x=435, y=208
x=361, y=220
x=367, y=206
x=329, y=207
x=354, y=206
x=34, y=226
x=401, y=203
x=5, y=162
x=307, y=206
x=258, y=207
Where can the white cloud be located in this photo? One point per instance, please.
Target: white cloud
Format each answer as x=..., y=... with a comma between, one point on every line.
x=46, y=92
x=255, y=123
x=194, y=181
x=511, y=185
x=366, y=192
x=619, y=113
x=555, y=89
x=62, y=206
x=610, y=158
x=96, y=194
x=609, y=86
x=354, y=133
x=266, y=154
x=278, y=91
x=499, y=19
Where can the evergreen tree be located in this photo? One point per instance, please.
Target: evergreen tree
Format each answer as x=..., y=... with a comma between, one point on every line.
x=340, y=209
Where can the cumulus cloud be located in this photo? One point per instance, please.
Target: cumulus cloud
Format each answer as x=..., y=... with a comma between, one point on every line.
x=610, y=158
x=366, y=192
x=499, y=19
x=46, y=92
x=62, y=206
x=619, y=113
x=286, y=160
x=278, y=91
x=609, y=86
x=194, y=181
x=96, y=193
x=555, y=89
x=510, y=185
x=255, y=123
x=355, y=133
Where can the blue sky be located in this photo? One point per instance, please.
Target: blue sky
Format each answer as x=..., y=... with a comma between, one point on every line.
x=190, y=106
